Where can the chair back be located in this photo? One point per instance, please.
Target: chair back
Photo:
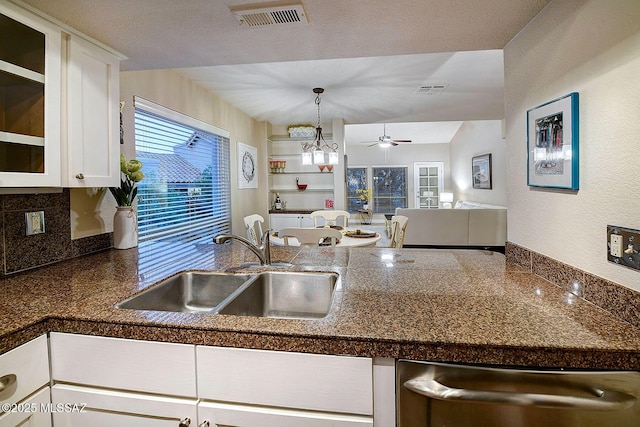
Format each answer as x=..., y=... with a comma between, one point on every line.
x=398, y=229
x=310, y=236
x=330, y=217
x=253, y=224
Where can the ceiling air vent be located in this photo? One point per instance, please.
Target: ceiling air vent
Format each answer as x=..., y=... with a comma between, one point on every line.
x=434, y=89
x=265, y=14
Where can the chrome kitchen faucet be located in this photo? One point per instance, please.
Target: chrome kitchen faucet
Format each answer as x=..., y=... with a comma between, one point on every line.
x=262, y=252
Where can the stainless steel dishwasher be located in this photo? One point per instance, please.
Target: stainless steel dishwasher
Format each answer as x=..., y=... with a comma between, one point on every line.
x=447, y=395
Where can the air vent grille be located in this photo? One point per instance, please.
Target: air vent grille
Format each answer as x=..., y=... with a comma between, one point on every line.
x=431, y=89
x=270, y=14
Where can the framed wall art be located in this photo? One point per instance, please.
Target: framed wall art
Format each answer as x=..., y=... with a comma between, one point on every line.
x=552, y=144
x=481, y=172
x=247, y=166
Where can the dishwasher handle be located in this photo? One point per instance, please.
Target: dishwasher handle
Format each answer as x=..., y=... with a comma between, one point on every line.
x=603, y=400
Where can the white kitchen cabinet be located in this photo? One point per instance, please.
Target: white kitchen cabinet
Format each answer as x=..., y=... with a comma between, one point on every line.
x=123, y=382
x=116, y=363
x=59, y=104
x=271, y=388
x=25, y=377
x=108, y=408
x=223, y=414
x=91, y=152
x=30, y=99
x=144, y=383
x=35, y=416
x=280, y=221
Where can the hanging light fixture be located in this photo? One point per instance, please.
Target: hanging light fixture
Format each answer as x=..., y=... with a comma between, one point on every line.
x=314, y=151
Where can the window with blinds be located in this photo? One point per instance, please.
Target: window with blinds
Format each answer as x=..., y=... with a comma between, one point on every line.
x=185, y=197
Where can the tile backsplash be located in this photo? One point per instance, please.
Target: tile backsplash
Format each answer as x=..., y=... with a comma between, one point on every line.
x=612, y=297
x=21, y=252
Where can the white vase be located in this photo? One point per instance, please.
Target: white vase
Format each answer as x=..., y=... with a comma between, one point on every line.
x=125, y=228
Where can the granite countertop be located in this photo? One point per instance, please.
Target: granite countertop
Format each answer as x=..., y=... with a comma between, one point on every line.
x=441, y=305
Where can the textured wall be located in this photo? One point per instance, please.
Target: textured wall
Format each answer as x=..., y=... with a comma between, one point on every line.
x=590, y=47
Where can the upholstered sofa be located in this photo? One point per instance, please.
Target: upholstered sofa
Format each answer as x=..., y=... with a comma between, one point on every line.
x=469, y=224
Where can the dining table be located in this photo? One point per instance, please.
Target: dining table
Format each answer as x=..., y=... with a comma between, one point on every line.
x=352, y=237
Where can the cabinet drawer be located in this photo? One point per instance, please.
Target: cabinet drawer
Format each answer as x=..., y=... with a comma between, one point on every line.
x=30, y=365
x=34, y=417
x=225, y=414
x=116, y=363
x=106, y=408
x=291, y=380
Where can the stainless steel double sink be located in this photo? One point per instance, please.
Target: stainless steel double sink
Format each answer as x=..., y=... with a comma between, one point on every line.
x=280, y=294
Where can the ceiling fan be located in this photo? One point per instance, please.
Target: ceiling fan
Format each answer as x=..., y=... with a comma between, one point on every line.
x=385, y=140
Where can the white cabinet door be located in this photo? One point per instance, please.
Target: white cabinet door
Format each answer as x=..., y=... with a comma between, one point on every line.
x=33, y=412
x=92, y=149
x=280, y=221
x=229, y=415
x=24, y=369
x=288, y=380
x=108, y=408
x=116, y=363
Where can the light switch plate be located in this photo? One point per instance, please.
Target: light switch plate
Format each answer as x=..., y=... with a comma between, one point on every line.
x=35, y=222
x=623, y=246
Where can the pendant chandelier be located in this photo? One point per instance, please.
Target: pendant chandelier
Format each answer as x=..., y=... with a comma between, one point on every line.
x=313, y=152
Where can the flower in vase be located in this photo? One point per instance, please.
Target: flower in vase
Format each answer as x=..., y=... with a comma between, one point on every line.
x=130, y=174
x=364, y=195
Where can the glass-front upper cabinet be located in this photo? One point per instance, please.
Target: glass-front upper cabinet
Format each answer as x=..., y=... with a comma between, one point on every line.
x=30, y=84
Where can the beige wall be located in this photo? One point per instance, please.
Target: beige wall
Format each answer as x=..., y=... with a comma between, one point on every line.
x=590, y=47
x=92, y=214
x=472, y=139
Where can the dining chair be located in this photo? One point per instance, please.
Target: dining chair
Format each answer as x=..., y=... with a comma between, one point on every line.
x=398, y=227
x=310, y=236
x=251, y=223
x=330, y=217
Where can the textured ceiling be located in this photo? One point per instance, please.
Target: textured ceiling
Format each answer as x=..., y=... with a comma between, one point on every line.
x=370, y=56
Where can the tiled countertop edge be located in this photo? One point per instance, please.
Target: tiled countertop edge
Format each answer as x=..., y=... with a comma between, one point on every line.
x=618, y=300
x=444, y=352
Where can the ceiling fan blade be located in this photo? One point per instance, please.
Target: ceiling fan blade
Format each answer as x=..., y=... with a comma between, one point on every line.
x=401, y=140
x=371, y=145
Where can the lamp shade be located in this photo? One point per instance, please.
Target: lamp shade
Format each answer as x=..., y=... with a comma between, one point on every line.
x=446, y=197
x=318, y=157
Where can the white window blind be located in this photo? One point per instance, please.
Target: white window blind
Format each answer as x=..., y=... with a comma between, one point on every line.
x=184, y=199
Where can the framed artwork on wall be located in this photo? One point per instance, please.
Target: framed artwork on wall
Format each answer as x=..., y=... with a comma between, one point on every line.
x=247, y=166
x=481, y=172
x=552, y=144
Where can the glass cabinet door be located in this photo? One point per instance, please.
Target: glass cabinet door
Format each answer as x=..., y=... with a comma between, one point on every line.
x=22, y=54
x=30, y=84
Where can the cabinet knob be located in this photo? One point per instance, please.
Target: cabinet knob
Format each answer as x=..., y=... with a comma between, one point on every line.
x=185, y=422
x=80, y=176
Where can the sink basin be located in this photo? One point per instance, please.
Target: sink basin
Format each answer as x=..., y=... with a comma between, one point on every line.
x=189, y=292
x=284, y=295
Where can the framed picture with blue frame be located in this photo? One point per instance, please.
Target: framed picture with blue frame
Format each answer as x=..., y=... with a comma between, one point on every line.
x=552, y=144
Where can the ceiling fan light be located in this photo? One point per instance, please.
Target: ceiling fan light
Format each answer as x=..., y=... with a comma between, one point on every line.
x=384, y=144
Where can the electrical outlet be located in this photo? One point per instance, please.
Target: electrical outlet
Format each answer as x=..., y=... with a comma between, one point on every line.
x=35, y=222
x=623, y=246
x=616, y=245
